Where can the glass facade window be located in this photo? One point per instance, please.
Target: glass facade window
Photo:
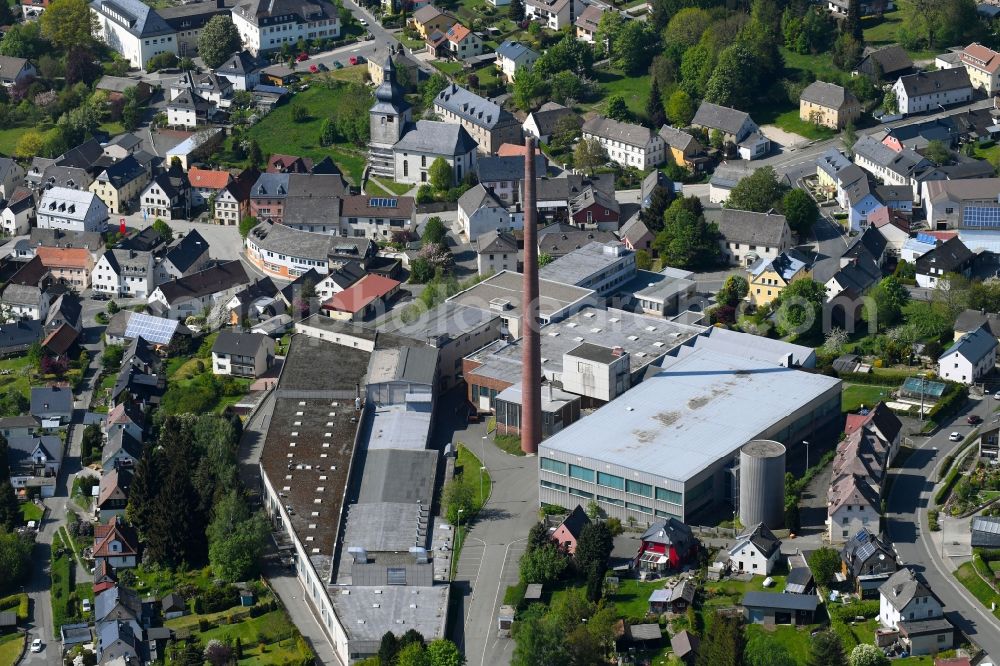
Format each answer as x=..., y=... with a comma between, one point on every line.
x=671, y=496
x=666, y=514
x=582, y=473
x=638, y=507
x=611, y=481
x=554, y=466
x=552, y=486
x=581, y=493
x=611, y=500
x=637, y=488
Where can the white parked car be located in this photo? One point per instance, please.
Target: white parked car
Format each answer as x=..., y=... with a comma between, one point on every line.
x=36, y=645
x=955, y=437
x=996, y=396
x=86, y=605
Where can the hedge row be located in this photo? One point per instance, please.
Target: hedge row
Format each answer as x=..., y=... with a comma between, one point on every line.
x=941, y=496
x=847, y=612
x=873, y=378
x=954, y=398
x=18, y=602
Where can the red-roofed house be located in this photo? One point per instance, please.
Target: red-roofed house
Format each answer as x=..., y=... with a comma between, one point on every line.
x=953, y=661
x=69, y=265
x=360, y=300
x=983, y=66
x=61, y=341
x=517, y=150
x=289, y=164
x=894, y=225
x=112, y=496
x=206, y=183
x=116, y=544
x=104, y=576
x=457, y=42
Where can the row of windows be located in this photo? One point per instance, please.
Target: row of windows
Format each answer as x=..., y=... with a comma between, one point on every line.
x=602, y=478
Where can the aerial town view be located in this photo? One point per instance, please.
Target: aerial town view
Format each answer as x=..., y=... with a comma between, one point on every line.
x=499, y=332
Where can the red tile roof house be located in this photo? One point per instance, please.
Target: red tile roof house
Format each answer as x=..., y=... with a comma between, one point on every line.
x=360, y=300
x=117, y=544
x=569, y=531
x=666, y=545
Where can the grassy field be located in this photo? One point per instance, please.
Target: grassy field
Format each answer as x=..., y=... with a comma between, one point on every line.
x=855, y=395
x=10, y=648
x=879, y=32
x=635, y=89
x=19, y=376
x=819, y=64
x=480, y=487
x=991, y=154
x=391, y=186
x=448, y=67
x=968, y=577
x=159, y=582
x=31, y=511
x=795, y=639
x=278, y=133
x=61, y=572
x=790, y=122
x=268, y=639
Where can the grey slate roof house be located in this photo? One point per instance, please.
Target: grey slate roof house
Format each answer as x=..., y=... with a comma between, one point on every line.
x=735, y=125
x=748, y=236
x=952, y=256
x=543, y=123
x=52, y=404
x=18, y=336
x=485, y=120
x=186, y=256
x=887, y=63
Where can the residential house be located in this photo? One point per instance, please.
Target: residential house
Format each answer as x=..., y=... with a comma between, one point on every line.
x=166, y=197
x=828, y=105
x=112, y=496
x=928, y=636
x=885, y=64
x=115, y=543
x=982, y=64
x=890, y=167
x=513, y=57
x=115, y=87
x=735, y=127
x=769, y=277
x=34, y=463
x=969, y=320
x=61, y=342
x=306, y=201
x=985, y=532
x=756, y=551
x=211, y=288
x=25, y=301
x=626, y=144
x=972, y=357
x=267, y=25
x=553, y=14
x=133, y=29
x=65, y=310
x=16, y=71
x=206, y=184
x=71, y=210
x=952, y=256
x=18, y=336
x=480, y=211
x=17, y=216
x=361, y=300
x=884, y=423
x=408, y=72
x=429, y=140
x=18, y=426
x=828, y=168
x=125, y=273
x=568, y=532
x=125, y=145
x=496, y=251
x=125, y=417
x=684, y=644
x=232, y=203
x=772, y=608
x=636, y=235
x=186, y=256
x=667, y=545
x=123, y=449
x=259, y=301
x=340, y=279
x=904, y=598
x=457, y=42
x=242, y=70
x=856, y=194
x=173, y=606
x=548, y=119
x=502, y=176
x=377, y=218
x=68, y=266
x=587, y=23
x=11, y=177
x=724, y=179
x=283, y=252
x=853, y=504
x=748, y=236
x=867, y=560
x=52, y=405
x=894, y=225
x=486, y=121
x=932, y=91
x=429, y=19
x=686, y=150
x=120, y=184
x=242, y=354
x=593, y=209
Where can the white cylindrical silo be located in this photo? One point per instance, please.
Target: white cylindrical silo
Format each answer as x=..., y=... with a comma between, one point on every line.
x=762, y=483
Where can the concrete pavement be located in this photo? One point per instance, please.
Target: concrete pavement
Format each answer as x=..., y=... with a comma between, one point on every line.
x=907, y=528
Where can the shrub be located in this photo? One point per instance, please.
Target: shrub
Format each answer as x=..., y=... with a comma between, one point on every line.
x=932, y=520
x=848, y=612
x=218, y=598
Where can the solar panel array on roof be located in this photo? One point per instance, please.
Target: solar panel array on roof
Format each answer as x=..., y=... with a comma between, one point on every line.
x=380, y=202
x=154, y=329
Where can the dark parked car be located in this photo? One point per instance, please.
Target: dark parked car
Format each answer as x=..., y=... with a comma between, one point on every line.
x=974, y=420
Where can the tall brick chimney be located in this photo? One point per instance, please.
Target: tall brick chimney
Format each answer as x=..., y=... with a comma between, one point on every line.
x=531, y=363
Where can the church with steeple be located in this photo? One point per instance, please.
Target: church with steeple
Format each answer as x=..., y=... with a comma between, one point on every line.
x=403, y=150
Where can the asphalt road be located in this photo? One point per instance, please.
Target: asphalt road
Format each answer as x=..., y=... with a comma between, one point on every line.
x=911, y=493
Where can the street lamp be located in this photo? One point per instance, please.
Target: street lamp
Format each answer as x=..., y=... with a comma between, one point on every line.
x=806, y=442
x=482, y=468
x=459, y=534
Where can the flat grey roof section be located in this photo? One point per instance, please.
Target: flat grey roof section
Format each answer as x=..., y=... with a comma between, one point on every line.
x=702, y=408
x=396, y=427
x=659, y=286
x=316, y=365
x=385, y=527
x=507, y=285
x=578, y=265
x=336, y=326
x=400, y=608
x=553, y=399
x=393, y=475
x=412, y=364
x=645, y=337
x=754, y=346
x=449, y=319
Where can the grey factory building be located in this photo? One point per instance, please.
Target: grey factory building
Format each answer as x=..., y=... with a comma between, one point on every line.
x=668, y=446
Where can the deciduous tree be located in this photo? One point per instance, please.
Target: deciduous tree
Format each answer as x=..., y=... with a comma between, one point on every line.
x=440, y=174
x=827, y=650
x=616, y=108
x=759, y=192
x=733, y=290
x=589, y=154
x=69, y=23
x=867, y=654
x=824, y=563
x=218, y=40
x=680, y=108
x=800, y=211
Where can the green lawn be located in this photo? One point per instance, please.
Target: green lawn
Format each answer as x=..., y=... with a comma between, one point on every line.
x=880, y=32
x=355, y=73
x=791, y=122
x=991, y=154
x=61, y=573
x=635, y=89
x=278, y=133
x=158, y=582
x=448, y=67
x=399, y=189
x=112, y=128
x=9, y=136
x=855, y=395
x=480, y=485
x=10, y=648
x=280, y=639
x=819, y=64
x=968, y=577
x=795, y=639
x=31, y=511
x=19, y=370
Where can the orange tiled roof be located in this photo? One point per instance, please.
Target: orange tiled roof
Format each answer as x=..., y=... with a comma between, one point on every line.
x=64, y=257
x=214, y=180
x=974, y=54
x=356, y=297
x=458, y=32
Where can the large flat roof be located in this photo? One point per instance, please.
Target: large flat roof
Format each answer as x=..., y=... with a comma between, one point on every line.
x=313, y=365
x=396, y=475
x=576, y=266
x=446, y=319
x=702, y=407
x=369, y=612
x=645, y=338
x=554, y=297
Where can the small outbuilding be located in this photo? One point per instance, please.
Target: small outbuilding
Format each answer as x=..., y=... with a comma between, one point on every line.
x=779, y=608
